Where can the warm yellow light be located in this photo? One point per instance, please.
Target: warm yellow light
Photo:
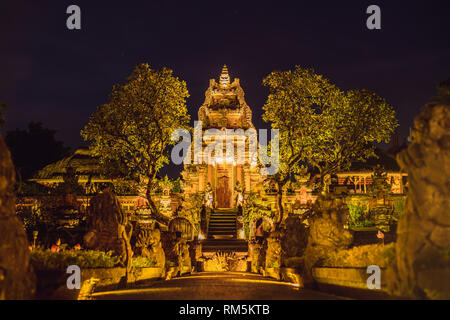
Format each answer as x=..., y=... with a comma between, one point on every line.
x=201, y=237
x=241, y=234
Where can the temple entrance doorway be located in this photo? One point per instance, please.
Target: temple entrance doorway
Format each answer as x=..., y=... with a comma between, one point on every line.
x=223, y=192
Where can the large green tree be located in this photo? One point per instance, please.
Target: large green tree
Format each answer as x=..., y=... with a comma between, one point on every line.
x=131, y=133
x=349, y=130
x=320, y=126
x=293, y=106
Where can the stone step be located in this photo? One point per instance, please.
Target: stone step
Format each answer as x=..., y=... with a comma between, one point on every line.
x=232, y=226
x=213, y=245
x=221, y=233
x=222, y=223
x=213, y=229
x=222, y=216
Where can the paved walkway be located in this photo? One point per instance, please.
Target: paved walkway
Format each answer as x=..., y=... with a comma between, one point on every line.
x=217, y=286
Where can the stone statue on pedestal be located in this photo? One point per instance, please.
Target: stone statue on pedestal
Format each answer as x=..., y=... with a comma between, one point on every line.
x=109, y=228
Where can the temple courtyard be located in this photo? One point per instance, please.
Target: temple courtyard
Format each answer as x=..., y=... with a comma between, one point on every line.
x=217, y=286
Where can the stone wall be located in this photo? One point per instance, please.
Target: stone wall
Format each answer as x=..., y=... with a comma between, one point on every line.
x=422, y=266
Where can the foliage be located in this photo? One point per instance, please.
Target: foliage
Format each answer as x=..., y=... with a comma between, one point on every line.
x=34, y=148
x=39, y=217
x=358, y=212
x=142, y=262
x=294, y=107
x=320, y=126
x=50, y=260
x=33, y=218
x=192, y=209
x=399, y=206
x=131, y=133
x=126, y=187
x=361, y=256
x=174, y=185
x=255, y=208
x=349, y=129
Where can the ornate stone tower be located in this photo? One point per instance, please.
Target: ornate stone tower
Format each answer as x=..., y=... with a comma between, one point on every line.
x=225, y=111
x=224, y=105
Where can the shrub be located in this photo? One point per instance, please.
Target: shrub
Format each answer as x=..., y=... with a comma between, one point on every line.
x=361, y=256
x=357, y=214
x=50, y=260
x=142, y=262
x=253, y=209
x=399, y=207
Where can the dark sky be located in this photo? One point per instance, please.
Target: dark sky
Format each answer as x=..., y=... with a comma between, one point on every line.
x=51, y=74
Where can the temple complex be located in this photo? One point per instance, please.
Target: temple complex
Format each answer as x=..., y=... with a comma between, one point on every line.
x=226, y=111
x=222, y=171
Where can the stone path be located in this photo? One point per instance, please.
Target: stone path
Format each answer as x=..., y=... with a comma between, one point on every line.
x=217, y=286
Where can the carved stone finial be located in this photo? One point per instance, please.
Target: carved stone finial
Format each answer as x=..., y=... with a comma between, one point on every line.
x=224, y=77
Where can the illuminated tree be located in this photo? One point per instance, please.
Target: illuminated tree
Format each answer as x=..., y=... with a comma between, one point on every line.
x=294, y=107
x=320, y=126
x=131, y=133
x=349, y=130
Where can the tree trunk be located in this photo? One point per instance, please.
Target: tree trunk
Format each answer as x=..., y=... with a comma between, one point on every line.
x=279, y=206
x=155, y=212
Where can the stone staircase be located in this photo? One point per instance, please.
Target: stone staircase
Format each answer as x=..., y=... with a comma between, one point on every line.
x=222, y=224
x=222, y=233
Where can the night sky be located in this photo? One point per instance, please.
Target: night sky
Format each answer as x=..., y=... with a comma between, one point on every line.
x=59, y=76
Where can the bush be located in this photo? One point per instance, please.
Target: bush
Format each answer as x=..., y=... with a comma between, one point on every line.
x=361, y=257
x=254, y=209
x=142, y=262
x=399, y=207
x=50, y=260
x=358, y=212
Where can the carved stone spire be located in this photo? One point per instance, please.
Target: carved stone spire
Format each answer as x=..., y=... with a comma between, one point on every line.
x=224, y=77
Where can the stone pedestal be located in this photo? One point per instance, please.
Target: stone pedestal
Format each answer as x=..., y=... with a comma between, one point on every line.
x=327, y=232
x=109, y=228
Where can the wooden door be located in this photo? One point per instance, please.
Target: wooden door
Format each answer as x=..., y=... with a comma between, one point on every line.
x=223, y=193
